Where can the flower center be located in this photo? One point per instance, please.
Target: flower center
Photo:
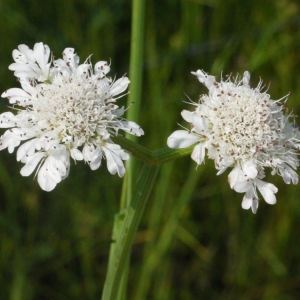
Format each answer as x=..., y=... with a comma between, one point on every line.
x=77, y=108
x=242, y=120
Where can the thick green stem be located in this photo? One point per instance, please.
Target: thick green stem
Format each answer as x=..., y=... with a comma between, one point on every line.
x=127, y=220
x=132, y=216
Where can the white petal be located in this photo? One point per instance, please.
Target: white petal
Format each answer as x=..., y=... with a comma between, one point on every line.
x=238, y=181
x=41, y=53
x=288, y=174
x=46, y=179
x=188, y=115
x=20, y=67
x=87, y=152
x=26, y=74
x=114, y=162
x=55, y=168
x=131, y=127
x=120, y=112
x=200, y=124
x=71, y=59
x=267, y=190
x=119, y=86
x=96, y=161
x=250, y=200
x=23, y=133
x=246, y=203
x=9, y=141
x=25, y=150
x=28, y=70
x=76, y=154
x=182, y=139
x=16, y=95
x=82, y=70
x=226, y=162
x=60, y=167
x=27, y=86
x=31, y=163
x=234, y=176
x=28, y=53
x=198, y=153
x=204, y=78
x=222, y=170
x=20, y=55
x=49, y=143
x=242, y=186
x=249, y=168
x=102, y=68
x=117, y=150
x=8, y=120
x=90, y=152
x=60, y=65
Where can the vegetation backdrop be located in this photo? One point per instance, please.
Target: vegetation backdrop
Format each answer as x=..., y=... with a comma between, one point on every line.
x=195, y=241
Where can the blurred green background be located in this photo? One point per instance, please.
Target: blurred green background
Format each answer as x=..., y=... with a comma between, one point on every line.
x=195, y=240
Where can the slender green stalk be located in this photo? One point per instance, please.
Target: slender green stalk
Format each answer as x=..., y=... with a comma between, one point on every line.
x=156, y=157
x=135, y=75
x=123, y=284
x=133, y=215
x=140, y=152
x=136, y=61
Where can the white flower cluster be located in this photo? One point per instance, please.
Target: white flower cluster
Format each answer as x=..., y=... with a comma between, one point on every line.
x=64, y=109
x=242, y=128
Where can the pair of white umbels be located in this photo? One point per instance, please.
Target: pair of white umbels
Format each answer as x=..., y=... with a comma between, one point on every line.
x=68, y=110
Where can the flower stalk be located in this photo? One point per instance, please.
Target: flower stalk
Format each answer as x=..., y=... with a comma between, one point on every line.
x=127, y=220
x=135, y=72
x=125, y=235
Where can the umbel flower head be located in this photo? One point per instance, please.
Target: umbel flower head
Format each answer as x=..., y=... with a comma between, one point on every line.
x=241, y=128
x=64, y=109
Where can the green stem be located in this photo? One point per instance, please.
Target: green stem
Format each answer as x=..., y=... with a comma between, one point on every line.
x=136, y=62
x=133, y=215
x=123, y=284
x=156, y=157
x=135, y=75
x=127, y=220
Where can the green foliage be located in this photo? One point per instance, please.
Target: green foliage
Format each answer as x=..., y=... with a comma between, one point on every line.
x=195, y=241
